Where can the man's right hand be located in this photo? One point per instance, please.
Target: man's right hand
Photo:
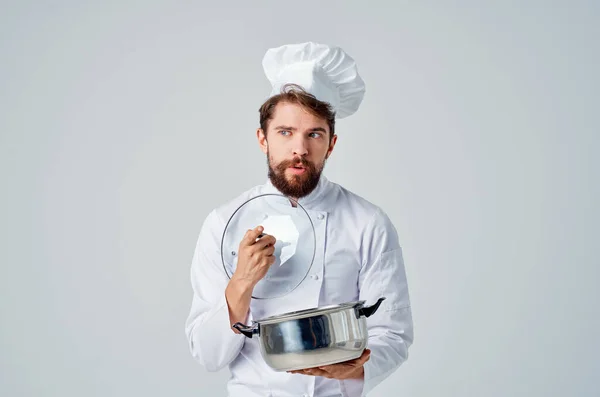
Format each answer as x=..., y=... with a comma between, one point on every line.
x=255, y=257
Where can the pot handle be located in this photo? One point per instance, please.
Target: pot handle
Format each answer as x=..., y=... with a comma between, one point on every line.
x=368, y=311
x=247, y=330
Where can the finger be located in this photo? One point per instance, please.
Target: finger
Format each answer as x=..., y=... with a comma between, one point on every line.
x=262, y=243
x=318, y=372
x=298, y=371
x=361, y=360
x=266, y=240
x=338, y=368
x=327, y=368
x=366, y=355
x=270, y=250
x=263, y=252
x=252, y=235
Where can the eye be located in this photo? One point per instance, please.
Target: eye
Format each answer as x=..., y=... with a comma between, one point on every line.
x=284, y=132
x=315, y=134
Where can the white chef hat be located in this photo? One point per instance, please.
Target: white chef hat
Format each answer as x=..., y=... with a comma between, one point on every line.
x=326, y=72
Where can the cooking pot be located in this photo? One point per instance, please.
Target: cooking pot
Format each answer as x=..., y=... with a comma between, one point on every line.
x=312, y=337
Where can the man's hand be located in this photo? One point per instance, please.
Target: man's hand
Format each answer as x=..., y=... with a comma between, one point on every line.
x=352, y=369
x=254, y=259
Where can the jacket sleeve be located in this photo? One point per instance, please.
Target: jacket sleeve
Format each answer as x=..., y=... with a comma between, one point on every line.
x=211, y=340
x=390, y=327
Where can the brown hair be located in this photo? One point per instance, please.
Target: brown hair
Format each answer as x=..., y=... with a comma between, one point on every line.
x=293, y=93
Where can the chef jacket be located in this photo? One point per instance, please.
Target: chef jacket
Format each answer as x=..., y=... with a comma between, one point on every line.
x=358, y=257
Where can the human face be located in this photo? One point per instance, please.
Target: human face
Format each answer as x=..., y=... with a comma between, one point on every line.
x=297, y=145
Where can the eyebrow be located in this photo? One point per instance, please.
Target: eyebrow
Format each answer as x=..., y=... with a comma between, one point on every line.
x=316, y=129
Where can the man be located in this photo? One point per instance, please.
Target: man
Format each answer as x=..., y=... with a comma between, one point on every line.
x=358, y=253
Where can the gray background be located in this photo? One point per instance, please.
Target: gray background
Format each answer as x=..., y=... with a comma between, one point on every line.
x=124, y=123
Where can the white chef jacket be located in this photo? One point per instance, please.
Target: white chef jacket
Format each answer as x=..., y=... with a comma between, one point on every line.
x=358, y=257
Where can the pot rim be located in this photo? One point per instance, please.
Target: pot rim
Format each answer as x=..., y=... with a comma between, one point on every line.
x=294, y=315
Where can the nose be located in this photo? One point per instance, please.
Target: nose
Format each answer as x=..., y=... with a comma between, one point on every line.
x=300, y=146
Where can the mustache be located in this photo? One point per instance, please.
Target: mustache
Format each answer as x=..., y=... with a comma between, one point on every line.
x=295, y=162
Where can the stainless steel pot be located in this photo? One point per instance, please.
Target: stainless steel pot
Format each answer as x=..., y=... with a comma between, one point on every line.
x=313, y=337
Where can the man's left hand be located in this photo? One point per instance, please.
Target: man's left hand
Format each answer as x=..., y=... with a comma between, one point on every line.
x=352, y=369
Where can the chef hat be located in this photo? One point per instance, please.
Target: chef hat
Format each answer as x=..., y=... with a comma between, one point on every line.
x=326, y=72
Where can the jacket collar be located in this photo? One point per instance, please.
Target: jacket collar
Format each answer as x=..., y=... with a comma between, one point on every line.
x=316, y=198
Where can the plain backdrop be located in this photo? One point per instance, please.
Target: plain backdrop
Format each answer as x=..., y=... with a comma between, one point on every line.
x=123, y=123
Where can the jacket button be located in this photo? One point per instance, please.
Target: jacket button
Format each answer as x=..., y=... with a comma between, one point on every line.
x=320, y=216
x=314, y=276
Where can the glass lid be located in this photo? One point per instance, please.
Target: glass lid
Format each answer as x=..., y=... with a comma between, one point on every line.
x=294, y=248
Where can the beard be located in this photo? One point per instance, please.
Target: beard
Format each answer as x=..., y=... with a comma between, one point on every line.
x=295, y=186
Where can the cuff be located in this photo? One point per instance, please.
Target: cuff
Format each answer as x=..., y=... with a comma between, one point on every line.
x=218, y=325
x=357, y=387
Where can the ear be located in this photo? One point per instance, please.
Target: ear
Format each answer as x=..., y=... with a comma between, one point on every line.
x=331, y=146
x=261, y=136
